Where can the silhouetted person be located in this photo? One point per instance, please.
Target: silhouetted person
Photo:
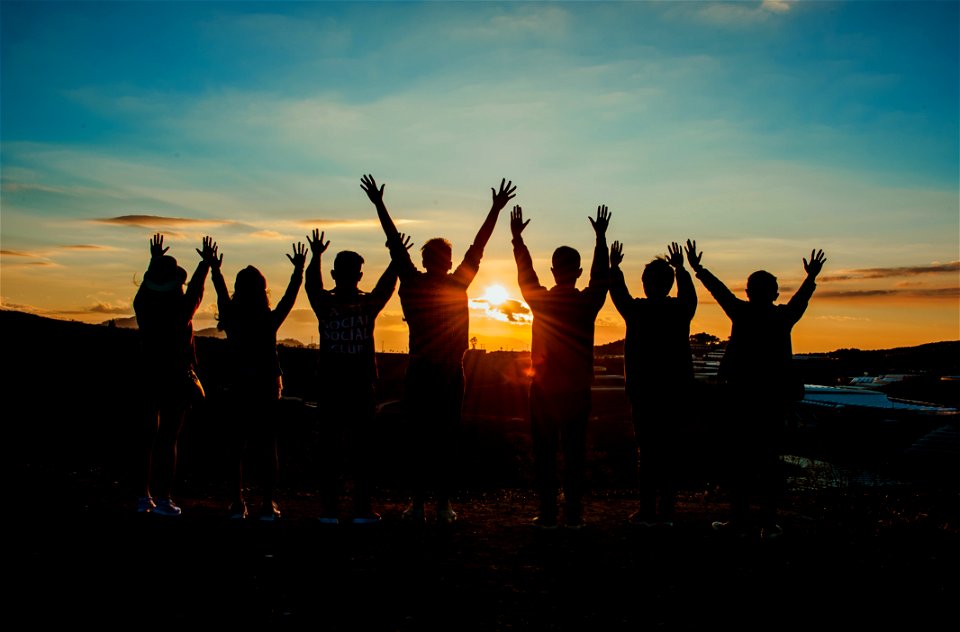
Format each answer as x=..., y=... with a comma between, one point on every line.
x=165, y=319
x=757, y=372
x=562, y=365
x=256, y=377
x=435, y=307
x=347, y=372
x=658, y=368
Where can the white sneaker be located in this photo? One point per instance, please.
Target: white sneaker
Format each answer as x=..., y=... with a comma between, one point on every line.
x=446, y=515
x=145, y=504
x=166, y=507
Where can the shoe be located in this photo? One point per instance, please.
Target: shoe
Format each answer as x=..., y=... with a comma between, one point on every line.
x=640, y=520
x=145, y=504
x=728, y=528
x=367, y=518
x=771, y=533
x=446, y=515
x=414, y=513
x=270, y=512
x=328, y=519
x=237, y=510
x=573, y=517
x=166, y=507
x=545, y=521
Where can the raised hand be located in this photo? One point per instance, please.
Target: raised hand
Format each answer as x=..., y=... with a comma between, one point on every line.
x=156, y=246
x=209, y=253
x=616, y=254
x=317, y=245
x=299, y=257
x=675, y=255
x=692, y=255
x=516, y=221
x=815, y=265
x=369, y=185
x=504, y=195
x=602, y=221
x=405, y=241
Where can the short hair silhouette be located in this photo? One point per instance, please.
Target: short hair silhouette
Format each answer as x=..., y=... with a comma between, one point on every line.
x=565, y=264
x=347, y=268
x=437, y=253
x=762, y=287
x=657, y=278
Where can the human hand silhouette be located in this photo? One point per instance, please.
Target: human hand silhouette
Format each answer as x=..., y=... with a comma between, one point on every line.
x=299, y=257
x=369, y=185
x=675, y=255
x=404, y=241
x=692, y=257
x=602, y=221
x=815, y=265
x=208, y=253
x=156, y=246
x=616, y=254
x=504, y=195
x=317, y=245
x=516, y=221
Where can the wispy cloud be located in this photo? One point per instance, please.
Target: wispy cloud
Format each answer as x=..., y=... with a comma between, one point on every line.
x=918, y=293
x=15, y=253
x=884, y=273
x=351, y=224
x=157, y=221
x=86, y=247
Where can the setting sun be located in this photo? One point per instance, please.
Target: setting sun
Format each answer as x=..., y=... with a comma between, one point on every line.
x=495, y=294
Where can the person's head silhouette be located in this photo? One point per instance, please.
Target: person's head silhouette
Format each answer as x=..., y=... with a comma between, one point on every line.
x=165, y=275
x=250, y=289
x=657, y=278
x=347, y=269
x=762, y=287
x=566, y=265
x=437, y=256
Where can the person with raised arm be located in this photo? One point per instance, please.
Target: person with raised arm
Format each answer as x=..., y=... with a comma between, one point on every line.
x=256, y=376
x=434, y=304
x=658, y=370
x=164, y=312
x=562, y=365
x=347, y=374
x=758, y=374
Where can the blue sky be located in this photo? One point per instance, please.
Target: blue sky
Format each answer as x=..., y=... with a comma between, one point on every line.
x=761, y=130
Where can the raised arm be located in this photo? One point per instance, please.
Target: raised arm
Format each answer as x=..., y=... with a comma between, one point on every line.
x=600, y=269
x=686, y=293
x=618, y=286
x=156, y=246
x=387, y=283
x=526, y=276
x=313, y=283
x=194, y=292
x=724, y=297
x=369, y=186
x=215, y=260
x=798, y=302
x=298, y=259
x=500, y=199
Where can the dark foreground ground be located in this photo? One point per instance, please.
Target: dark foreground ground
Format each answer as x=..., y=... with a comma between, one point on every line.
x=849, y=559
x=855, y=555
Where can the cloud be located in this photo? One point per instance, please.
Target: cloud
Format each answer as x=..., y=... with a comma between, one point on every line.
x=107, y=308
x=267, y=234
x=934, y=293
x=157, y=221
x=15, y=253
x=83, y=247
x=775, y=6
x=843, y=318
x=351, y=224
x=885, y=273
x=740, y=13
x=508, y=311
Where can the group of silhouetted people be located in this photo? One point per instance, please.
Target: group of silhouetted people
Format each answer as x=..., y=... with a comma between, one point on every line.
x=755, y=370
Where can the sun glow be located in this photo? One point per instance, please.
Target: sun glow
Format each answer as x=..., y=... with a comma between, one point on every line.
x=495, y=294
